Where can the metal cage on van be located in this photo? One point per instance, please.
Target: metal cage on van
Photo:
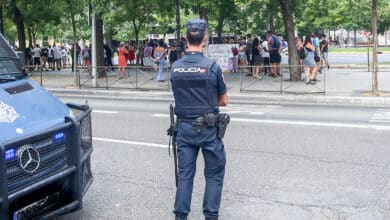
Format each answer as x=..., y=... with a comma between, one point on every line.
x=63, y=156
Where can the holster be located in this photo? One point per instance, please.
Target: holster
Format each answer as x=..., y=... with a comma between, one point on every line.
x=223, y=121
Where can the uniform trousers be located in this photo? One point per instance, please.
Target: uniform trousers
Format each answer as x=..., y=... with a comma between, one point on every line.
x=189, y=142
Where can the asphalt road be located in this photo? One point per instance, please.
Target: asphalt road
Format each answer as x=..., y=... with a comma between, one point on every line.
x=283, y=162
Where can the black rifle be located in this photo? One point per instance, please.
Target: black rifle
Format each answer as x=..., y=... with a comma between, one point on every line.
x=172, y=131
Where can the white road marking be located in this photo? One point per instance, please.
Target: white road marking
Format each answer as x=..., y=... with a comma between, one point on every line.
x=118, y=141
x=381, y=116
x=105, y=112
x=302, y=123
x=161, y=115
x=249, y=109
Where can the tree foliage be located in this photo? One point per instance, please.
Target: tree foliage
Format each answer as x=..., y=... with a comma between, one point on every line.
x=133, y=19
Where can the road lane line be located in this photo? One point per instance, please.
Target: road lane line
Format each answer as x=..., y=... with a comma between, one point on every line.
x=105, y=112
x=303, y=123
x=161, y=115
x=118, y=141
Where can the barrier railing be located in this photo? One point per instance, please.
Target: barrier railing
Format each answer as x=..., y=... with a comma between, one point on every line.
x=341, y=79
x=135, y=78
x=286, y=82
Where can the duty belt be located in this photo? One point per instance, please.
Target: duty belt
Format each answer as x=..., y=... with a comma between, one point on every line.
x=219, y=121
x=208, y=120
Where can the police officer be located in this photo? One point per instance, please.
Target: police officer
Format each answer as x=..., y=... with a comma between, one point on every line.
x=199, y=90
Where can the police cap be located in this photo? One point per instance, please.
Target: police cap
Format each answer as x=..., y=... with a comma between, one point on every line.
x=196, y=25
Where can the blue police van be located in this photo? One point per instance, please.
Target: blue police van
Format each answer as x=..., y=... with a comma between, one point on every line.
x=45, y=146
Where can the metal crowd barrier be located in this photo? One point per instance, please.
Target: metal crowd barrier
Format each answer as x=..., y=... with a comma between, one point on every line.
x=136, y=78
x=287, y=82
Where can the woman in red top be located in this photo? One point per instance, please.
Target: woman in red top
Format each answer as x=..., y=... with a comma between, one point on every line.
x=122, y=62
x=131, y=54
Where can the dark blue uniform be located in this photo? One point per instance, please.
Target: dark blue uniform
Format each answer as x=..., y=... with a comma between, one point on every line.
x=197, y=83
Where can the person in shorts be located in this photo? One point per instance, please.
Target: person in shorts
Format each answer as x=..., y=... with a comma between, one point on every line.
x=324, y=51
x=275, y=47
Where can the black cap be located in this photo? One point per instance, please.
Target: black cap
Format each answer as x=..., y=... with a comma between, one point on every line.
x=196, y=25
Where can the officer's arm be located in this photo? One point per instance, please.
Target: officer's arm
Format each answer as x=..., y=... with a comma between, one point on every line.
x=223, y=100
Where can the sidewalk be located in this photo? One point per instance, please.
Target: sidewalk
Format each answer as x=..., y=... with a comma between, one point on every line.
x=338, y=86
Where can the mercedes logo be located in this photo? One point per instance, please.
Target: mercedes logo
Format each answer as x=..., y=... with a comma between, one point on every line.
x=29, y=158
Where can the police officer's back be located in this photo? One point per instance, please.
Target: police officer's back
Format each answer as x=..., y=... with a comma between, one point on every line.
x=199, y=90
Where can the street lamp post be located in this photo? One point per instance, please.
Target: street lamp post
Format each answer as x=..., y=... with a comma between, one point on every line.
x=178, y=20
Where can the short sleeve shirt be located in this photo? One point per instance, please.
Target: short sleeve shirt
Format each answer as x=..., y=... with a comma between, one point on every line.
x=36, y=52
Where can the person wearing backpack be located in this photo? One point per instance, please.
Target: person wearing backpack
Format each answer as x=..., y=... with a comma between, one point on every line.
x=86, y=56
x=275, y=47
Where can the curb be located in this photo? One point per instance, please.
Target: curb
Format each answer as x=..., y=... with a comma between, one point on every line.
x=233, y=97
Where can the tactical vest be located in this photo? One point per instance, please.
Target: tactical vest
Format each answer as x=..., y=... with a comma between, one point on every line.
x=194, y=93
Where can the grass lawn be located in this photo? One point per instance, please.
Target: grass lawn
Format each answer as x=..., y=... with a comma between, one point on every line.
x=357, y=50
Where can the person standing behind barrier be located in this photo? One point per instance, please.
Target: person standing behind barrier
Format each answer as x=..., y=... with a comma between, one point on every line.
x=324, y=51
x=148, y=61
x=57, y=55
x=173, y=53
x=159, y=54
x=131, y=54
x=256, y=57
x=122, y=62
x=44, y=57
x=248, y=53
x=275, y=47
x=309, y=63
x=37, y=57
x=199, y=90
x=241, y=54
x=301, y=51
x=315, y=42
x=64, y=54
x=75, y=61
x=50, y=58
x=265, y=56
x=108, y=59
x=86, y=56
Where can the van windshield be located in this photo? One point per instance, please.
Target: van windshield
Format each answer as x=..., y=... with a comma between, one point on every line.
x=3, y=52
x=9, y=71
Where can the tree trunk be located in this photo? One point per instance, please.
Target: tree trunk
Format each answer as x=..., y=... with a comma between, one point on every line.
x=220, y=28
x=19, y=21
x=375, y=49
x=99, y=47
x=293, y=58
x=30, y=38
x=221, y=18
x=136, y=29
x=203, y=14
x=354, y=36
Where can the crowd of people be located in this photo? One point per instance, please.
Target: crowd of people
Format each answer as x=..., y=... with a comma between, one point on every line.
x=148, y=54
x=313, y=54
x=51, y=57
x=261, y=55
